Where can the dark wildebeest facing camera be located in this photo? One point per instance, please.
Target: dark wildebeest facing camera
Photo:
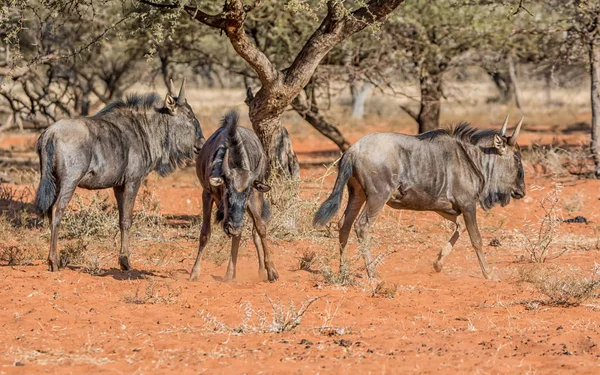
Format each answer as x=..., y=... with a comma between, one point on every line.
x=448, y=172
x=117, y=147
x=232, y=167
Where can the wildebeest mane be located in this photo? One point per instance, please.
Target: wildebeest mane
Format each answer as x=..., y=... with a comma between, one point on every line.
x=132, y=101
x=233, y=142
x=463, y=132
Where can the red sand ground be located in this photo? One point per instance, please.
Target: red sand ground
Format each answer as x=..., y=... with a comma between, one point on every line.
x=448, y=322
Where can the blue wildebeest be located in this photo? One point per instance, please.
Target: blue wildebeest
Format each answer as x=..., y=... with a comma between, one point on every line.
x=448, y=172
x=117, y=147
x=231, y=167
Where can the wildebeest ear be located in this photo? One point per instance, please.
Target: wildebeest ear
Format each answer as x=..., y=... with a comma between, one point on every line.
x=216, y=181
x=263, y=188
x=499, y=144
x=170, y=104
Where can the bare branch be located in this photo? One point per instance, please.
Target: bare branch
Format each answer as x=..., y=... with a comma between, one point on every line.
x=409, y=111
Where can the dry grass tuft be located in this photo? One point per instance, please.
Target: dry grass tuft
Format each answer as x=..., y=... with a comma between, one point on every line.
x=561, y=287
x=281, y=318
x=384, y=291
x=155, y=292
x=307, y=260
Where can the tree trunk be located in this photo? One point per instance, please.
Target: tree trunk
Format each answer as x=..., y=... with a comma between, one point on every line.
x=266, y=109
x=513, y=78
x=313, y=117
x=594, y=51
x=504, y=85
x=431, y=95
x=359, y=96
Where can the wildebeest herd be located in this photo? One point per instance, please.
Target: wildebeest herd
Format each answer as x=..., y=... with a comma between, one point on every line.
x=446, y=171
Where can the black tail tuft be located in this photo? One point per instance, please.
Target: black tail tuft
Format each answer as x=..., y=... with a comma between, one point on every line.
x=46, y=193
x=332, y=205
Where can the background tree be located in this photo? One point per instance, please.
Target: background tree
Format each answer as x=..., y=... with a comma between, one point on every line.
x=281, y=84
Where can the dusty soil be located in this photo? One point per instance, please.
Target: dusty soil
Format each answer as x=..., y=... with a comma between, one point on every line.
x=153, y=320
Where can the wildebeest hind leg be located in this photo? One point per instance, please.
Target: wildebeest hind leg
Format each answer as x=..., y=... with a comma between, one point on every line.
x=447, y=249
x=232, y=266
x=363, y=225
x=125, y=196
x=471, y=224
x=356, y=199
x=207, y=203
x=57, y=210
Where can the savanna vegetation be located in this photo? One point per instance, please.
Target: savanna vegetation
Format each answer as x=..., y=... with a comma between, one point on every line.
x=310, y=77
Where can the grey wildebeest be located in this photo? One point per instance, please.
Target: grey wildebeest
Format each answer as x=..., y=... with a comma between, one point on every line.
x=448, y=172
x=117, y=147
x=231, y=167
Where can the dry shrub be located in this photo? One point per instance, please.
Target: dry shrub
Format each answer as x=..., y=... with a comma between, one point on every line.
x=73, y=253
x=540, y=235
x=306, y=260
x=95, y=217
x=555, y=161
x=281, y=318
x=291, y=216
x=155, y=292
x=16, y=256
x=562, y=287
x=343, y=277
x=148, y=217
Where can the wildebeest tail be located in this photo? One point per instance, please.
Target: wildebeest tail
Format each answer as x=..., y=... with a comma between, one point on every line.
x=46, y=192
x=332, y=205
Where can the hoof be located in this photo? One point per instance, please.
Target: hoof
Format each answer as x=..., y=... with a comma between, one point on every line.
x=262, y=274
x=437, y=266
x=272, y=274
x=228, y=278
x=124, y=263
x=194, y=278
x=492, y=277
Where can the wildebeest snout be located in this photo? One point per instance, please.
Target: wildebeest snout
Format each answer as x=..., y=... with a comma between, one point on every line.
x=232, y=231
x=518, y=192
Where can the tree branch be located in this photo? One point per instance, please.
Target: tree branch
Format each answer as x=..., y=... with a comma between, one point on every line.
x=231, y=21
x=409, y=111
x=336, y=26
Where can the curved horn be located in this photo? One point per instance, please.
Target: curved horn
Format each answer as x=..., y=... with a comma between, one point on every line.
x=171, y=88
x=225, y=164
x=181, y=96
x=503, y=130
x=513, y=138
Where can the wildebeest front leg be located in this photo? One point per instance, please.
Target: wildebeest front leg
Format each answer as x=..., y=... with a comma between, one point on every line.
x=363, y=225
x=259, y=235
x=125, y=196
x=447, y=249
x=207, y=203
x=55, y=215
x=262, y=271
x=232, y=266
x=471, y=224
